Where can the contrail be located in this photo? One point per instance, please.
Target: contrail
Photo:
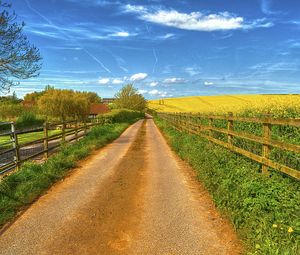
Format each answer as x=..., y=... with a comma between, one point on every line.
x=156, y=60
x=65, y=34
x=97, y=60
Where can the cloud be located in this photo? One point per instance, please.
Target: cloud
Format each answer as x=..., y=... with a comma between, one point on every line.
x=166, y=36
x=192, y=71
x=208, y=83
x=153, y=92
x=117, y=81
x=122, y=34
x=153, y=84
x=156, y=92
x=142, y=91
x=196, y=21
x=174, y=80
x=138, y=77
x=103, y=81
x=265, y=6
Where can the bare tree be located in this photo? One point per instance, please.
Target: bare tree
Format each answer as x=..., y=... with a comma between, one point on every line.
x=18, y=58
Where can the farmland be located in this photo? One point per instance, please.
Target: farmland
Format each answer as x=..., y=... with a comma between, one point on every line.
x=278, y=105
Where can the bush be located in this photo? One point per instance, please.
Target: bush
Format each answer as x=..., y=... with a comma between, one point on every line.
x=27, y=120
x=265, y=211
x=122, y=115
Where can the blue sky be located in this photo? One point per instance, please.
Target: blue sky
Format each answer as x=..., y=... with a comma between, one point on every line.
x=167, y=48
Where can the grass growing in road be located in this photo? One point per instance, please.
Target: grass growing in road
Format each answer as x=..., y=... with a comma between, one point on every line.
x=21, y=188
x=265, y=211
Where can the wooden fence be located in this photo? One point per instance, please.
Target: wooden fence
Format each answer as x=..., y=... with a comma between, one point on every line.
x=190, y=123
x=16, y=150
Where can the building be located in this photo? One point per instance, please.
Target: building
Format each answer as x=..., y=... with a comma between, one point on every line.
x=108, y=100
x=96, y=109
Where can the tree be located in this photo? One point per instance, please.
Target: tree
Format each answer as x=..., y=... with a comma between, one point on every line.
x=129, y=98
x=18, y=58
x=64, y=104
x=33, y=97
x=93, y=97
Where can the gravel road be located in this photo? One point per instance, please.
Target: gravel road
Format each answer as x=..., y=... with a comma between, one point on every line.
x=132, y=197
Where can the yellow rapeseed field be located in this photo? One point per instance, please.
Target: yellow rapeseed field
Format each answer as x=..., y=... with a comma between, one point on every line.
x=281, y=105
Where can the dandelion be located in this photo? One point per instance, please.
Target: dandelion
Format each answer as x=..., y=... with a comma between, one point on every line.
x=290, y=230
x=274, y=226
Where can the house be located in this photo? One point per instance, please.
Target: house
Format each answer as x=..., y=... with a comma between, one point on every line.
x=96, y=109
x=108, y=100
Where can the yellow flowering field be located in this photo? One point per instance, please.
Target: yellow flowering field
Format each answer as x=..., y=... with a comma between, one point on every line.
x=281, y=105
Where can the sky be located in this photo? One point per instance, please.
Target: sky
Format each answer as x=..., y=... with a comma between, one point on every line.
x=166, y=48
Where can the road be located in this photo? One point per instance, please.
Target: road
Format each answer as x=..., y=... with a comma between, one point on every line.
x=135, y=196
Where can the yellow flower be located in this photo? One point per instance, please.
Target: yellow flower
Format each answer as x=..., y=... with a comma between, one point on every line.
x=274, y=226
x=290, y=230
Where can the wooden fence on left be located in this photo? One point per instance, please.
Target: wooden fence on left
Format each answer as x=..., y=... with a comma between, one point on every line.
x=18, y=146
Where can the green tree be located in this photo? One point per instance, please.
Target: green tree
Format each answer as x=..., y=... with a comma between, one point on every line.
x=129, y=98
x=18, y=58
x=64, y=104
x=93, y=97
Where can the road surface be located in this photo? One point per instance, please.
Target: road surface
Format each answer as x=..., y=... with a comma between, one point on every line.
x=132, y=197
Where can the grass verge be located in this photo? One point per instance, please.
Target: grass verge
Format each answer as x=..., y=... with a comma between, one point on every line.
x=22, y=187
x=264, y=210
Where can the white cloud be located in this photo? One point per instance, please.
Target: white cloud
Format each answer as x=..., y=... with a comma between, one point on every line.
x=153, y=84
x=134, y=8
x=166, y=36
x=121, y=34
x=192, y=71
x=154, y=92
x=117, y=81
x=208, y=83
x=196, y=21
x=103, y=81
x=142, y=91
x=138, y=77
x=174, y=80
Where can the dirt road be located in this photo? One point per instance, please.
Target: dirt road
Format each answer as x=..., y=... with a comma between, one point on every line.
x=132, y=197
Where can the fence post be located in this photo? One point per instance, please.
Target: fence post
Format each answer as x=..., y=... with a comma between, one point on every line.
x=76, y=130
x=46, y=146
x=267, y=129
x=85, y=127
x=63, y=137
x=230, y=128
x=15, y=145
x=210, y=123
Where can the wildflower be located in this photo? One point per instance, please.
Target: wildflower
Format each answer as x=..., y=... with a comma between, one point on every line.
x=290, y=230
x=274, y=226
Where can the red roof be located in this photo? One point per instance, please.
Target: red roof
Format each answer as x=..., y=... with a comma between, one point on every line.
x=98, y=109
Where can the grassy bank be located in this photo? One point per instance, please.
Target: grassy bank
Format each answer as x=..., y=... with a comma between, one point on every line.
x=21, y=188
x=265, y=211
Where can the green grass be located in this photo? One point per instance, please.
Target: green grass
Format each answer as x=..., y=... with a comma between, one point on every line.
x=264, y=210
x=22, y=187
x=29, y=137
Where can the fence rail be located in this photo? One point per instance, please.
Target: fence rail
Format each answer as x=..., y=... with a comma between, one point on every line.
x=15, y=148
x=192, y=123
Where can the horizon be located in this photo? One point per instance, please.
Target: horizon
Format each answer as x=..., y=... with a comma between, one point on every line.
x=165, y=48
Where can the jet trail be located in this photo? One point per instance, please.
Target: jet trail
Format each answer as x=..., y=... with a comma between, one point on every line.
x=65, y=34
x=156, y=60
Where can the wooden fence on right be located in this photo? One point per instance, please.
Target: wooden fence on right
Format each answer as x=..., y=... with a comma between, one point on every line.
x=193, y=123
